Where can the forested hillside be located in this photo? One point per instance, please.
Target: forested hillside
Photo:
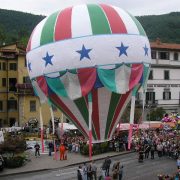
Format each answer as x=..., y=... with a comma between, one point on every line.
x=17, y=26
x=166, y=27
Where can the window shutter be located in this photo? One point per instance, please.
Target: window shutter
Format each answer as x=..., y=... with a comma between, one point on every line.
x=163, y=95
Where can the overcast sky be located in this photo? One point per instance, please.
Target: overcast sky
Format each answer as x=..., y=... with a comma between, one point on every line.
x=135, y=7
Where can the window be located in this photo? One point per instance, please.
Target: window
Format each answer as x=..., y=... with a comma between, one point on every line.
x=166, y=95
x=150, y=97
x=13, y=66
x=12, y=105
x=32, y=106
x=4, y=66
x=163, y=55
x=26, y=79
x=25, y=63
x=153, y=54
x=12, y=84
x=176, y=56
x=3, y=82
x=151, y=75
x=1, y=106
x=1, y=123
x=166, y=75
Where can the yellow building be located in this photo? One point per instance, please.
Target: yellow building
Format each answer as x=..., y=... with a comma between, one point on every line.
x=18, y=105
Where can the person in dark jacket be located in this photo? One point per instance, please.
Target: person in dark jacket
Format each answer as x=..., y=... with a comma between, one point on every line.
x=50, y=146
x=107, y=165
x=37, y=148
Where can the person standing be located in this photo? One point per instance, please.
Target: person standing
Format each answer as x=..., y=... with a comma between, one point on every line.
x=79, y=173
x=115, y=170
x=121, y=172
x=84, y=173
x=94, y=170
x=146, y=150
x=107, y=165
x=152, y=151
x=50, y=146
x=37, y=148
x=178, y=163
x=62, y=151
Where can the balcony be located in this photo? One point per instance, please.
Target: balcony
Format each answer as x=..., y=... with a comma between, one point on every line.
x=147, y=103
x=24, y=89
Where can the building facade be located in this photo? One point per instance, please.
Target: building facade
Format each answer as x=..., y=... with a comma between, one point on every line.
x=163, y=87
x=18, y=105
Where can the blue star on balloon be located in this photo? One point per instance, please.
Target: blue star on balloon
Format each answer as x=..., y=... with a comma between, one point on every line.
x=84, y=52
x=48, y=59
x=29, y=66
x=122, y=49
x=146, y=50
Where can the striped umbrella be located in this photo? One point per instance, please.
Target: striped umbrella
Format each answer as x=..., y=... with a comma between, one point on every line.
x=95, y=49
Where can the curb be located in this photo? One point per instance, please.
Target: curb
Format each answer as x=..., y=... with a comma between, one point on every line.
x=49, y=169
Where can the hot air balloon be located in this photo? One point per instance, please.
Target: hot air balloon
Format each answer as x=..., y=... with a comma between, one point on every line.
x=89, y=60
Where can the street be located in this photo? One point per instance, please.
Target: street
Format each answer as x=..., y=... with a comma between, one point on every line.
x=148, y=170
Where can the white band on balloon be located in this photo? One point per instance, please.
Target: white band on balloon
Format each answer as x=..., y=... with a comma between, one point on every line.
x=103, y=51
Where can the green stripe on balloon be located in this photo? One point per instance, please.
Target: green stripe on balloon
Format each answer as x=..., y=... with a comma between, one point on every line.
x=107, y=78
x=112, y=107
x=47, y=34
x=140, y=28
x=66, y=114
x=81, y=105
x=57, y=86
x=99, y=22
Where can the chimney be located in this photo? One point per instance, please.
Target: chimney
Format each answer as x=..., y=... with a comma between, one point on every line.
x=158, y=41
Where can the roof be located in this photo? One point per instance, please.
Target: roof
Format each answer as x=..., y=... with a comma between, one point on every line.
x=159, y=45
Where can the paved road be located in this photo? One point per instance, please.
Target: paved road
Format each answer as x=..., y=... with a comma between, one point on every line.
x=133, y=170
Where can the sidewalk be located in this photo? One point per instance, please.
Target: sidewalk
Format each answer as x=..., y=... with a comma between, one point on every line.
x=45, y=162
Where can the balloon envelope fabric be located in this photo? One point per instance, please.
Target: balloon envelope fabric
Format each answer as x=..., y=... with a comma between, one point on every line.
x=91, y=48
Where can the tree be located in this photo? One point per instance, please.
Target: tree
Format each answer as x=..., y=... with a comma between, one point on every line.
x=156, y=114
x=2, y=35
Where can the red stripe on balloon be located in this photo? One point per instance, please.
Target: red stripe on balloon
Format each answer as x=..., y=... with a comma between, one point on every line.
x=119, y=107
x=95, y=112
x=42, y=84
x=136, y=74
x=29, y=42
x=63, y=25
x=115, y=21
x=60, y=103
x=87, y=78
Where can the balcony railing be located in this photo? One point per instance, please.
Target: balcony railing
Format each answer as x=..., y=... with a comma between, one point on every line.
x=24, y=89
x=147, y=103
x=24, y=86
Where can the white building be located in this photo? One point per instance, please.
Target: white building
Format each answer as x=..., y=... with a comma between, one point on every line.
x=163, y=87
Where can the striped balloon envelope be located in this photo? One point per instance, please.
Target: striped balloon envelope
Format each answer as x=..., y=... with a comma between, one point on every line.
x=91, y=49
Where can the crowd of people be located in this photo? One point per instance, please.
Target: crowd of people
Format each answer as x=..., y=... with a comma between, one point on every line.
x=165, y=143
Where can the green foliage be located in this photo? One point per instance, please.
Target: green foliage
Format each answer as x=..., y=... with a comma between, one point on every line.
x=14, y=162
x=156, y=114
x=166, y=27
x=96, y=148
x=13, y=144
x=126, y=115
x=17, y=26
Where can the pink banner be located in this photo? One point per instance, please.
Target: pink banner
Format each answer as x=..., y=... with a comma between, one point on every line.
x=90, y=145
x=130, y=136
x=42, y=140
